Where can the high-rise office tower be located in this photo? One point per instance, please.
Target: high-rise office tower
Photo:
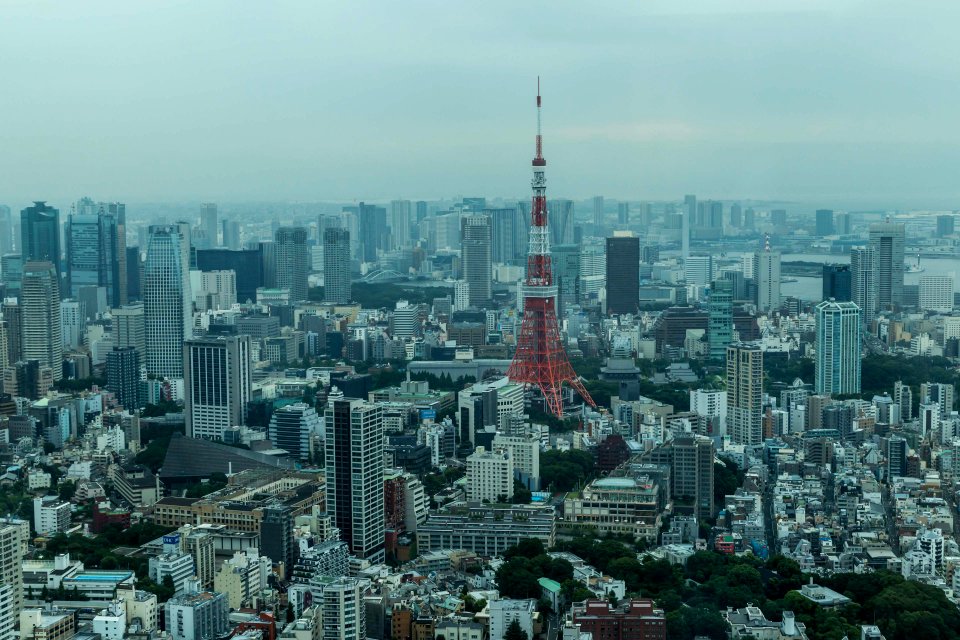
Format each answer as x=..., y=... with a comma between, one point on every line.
x=216, y=384
x=698, y=270
x=560, y=216
x=837, y=283
x=778, y=217
x=6, y=230
x=14, y=537
x=566, y=273
x=268, y=264
x=373, y=231
x=40, y=328
x=940, y=394
x=167, y=299
x=475, y=258
x=623, y=274
x=12, y=315
x=623, y=213
x=4, y=346
x=406, y=320
x=689, y=213
x=324, y=222
x=842, y=225
x=863, y=281
x=277, y=534
x=208, y=223
x=887, y=240
x=11, y=270
x=749, y=218
x=400, y=224
x=745, y=394
x=838, y=348
x=293, y=261
x=736, y=215
x=354, y=445
x=766, y=275
x=97, y=250
x=505, y=233
x=421, y=210
x=720, y=319
x=903, y=396
x=134, y=274
x=936, y=293
x=293, y=427
x=336, y=266
x=824, y=226
x=40, y=235
x=231, y=235
x=123, y=376
x=247, y=264
x=945, y=225
x=650, y=253
x=598, y=217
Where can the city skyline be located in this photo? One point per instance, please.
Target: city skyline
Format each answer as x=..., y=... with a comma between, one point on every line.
x=813, y=112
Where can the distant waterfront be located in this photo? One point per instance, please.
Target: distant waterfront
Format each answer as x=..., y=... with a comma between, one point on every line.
x=811, y=288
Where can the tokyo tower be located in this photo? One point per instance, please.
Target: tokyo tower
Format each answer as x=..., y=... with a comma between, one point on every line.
x=540, y=360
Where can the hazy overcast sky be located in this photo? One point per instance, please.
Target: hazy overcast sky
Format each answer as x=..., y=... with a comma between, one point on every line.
x=834, y=101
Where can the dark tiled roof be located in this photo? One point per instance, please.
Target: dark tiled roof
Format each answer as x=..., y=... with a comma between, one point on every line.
x=193, y=458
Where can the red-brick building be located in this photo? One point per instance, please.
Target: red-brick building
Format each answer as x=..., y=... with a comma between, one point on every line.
x=637, y=620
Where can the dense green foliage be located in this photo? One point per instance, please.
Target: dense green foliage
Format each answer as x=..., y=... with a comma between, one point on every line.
x=727, y=478
x=515, y=632
x=525, y=564
x=434, y=483
x=565, y=470
x=385, y=294
x=99, y=552
x=162, y=408
x=79, y=384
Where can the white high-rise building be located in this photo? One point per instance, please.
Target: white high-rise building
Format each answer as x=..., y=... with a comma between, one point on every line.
x=216, y=385
x=354, y=447
x=40, y=327
x=745, y=394
x=71, y=323
x=14, y=535
x=863, y=281
x=698, y=270
x=766, y=274
x=838, y=347
x=489, y=476
x=208, y=222
x=167, y=299
x=293, y=428
x=936, y=293
x=461, y=295
x=128, y=328
x=213, y=290
x=525, y=452
x=50, y=515
x=406, y=320
x=400, y=223
x=710, y=403
x=343, y=611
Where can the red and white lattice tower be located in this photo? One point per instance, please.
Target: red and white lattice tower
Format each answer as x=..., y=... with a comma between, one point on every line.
x=540, y=360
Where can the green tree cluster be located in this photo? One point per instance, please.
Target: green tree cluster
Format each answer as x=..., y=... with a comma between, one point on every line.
x=564, y=470
x=525, y=564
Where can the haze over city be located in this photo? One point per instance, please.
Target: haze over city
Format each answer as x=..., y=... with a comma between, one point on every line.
x=838, y=103
x=479, y=321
